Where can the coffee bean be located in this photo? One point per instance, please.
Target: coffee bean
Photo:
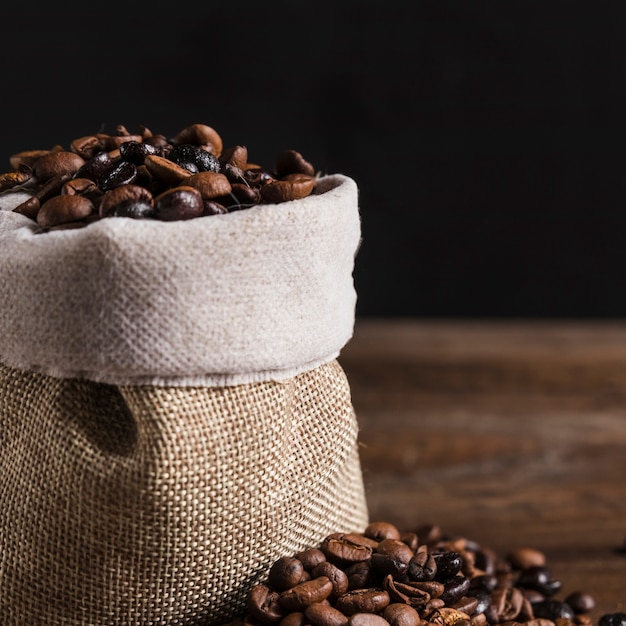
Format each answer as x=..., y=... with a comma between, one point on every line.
x=292, y=162
x=286, y=572
x=291, y=187
x=553, y=609
x=122, y=173
x=201, y=135
x=304, y=594
x=63, y=209
x=194, y=158
x=339, y=549
x=310, y=558
x=363, y=601
x=178, y=203
x=263, y=604
x=613, y=619
x=580, y=602
x=324, y=615
x=367, y=619
x=523, y=558
x=57, y=164
x=400, y=614
x=337, y=576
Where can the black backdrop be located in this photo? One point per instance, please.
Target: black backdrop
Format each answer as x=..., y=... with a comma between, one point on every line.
x=487, y=139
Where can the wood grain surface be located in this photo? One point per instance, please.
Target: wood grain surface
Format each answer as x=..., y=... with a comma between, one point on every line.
x=511, y=433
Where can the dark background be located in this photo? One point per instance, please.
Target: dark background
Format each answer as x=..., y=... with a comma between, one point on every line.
x=487, y=139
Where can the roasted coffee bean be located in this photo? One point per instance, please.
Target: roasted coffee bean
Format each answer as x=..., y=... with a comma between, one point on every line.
x=296, y=618
x=64, y=209
x=95, y=167
x=337, y=576
x=455, y=588
x=304, y=594
x=291, y=187
x=88, y=146
x=466, y=604
x=411, y=539
x=286, y=572
x=211, y=207
x=552, y=609
x=422, y=566
x=292, y=162
x=363, y=601
x=523, y=558
x=201, y=135
x=408, y=593
x=339, y=549
x=581, y=602
x=507, y=603
x=447, y=616
x=392, y=556
x=241, y=197
x=448, y=564
x=57, y=164
x=122, y=173
x=263, y=604
x=178, y=203
x=310, y=558
x=12, y=179
x=367, y=619
x=382, y=530
x=540, y=579
x=127, y=195
x=26, y=158
x=257, y=176
x=613, y=619
x=400, y=614
x=235, y=156
x=165, y=171
x=211, y=185
x=137, y=151
x=324, y=615
x=194, y=158
x=361, y=575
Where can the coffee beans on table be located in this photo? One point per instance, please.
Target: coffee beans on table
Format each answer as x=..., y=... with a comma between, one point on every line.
x=384, y=577
x=147, y=175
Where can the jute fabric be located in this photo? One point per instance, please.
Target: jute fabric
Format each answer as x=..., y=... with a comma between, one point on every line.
x=155, y=505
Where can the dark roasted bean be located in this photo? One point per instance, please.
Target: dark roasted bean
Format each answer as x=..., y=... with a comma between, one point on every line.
x=448, y=564
x=540, y=579
x=122, y=173
x=613, y=619
x=136, y=151
x=194, y=158
x=552, y=609
x=581, y=602
x=455, y=588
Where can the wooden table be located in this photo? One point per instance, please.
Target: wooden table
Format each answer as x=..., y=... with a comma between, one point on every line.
x=511, y=433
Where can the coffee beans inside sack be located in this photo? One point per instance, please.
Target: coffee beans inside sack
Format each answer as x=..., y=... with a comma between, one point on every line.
x=173, y=417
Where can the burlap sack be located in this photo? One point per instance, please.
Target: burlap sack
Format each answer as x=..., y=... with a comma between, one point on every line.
x=172, y=414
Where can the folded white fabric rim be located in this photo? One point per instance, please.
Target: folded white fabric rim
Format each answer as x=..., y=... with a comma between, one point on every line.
x=259, y=294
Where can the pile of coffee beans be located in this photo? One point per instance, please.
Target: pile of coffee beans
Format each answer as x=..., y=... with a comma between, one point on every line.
x=383, y=577
x=148, y=175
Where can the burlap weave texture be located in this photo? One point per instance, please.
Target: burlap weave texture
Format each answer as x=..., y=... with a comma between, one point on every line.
x=161, y=505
